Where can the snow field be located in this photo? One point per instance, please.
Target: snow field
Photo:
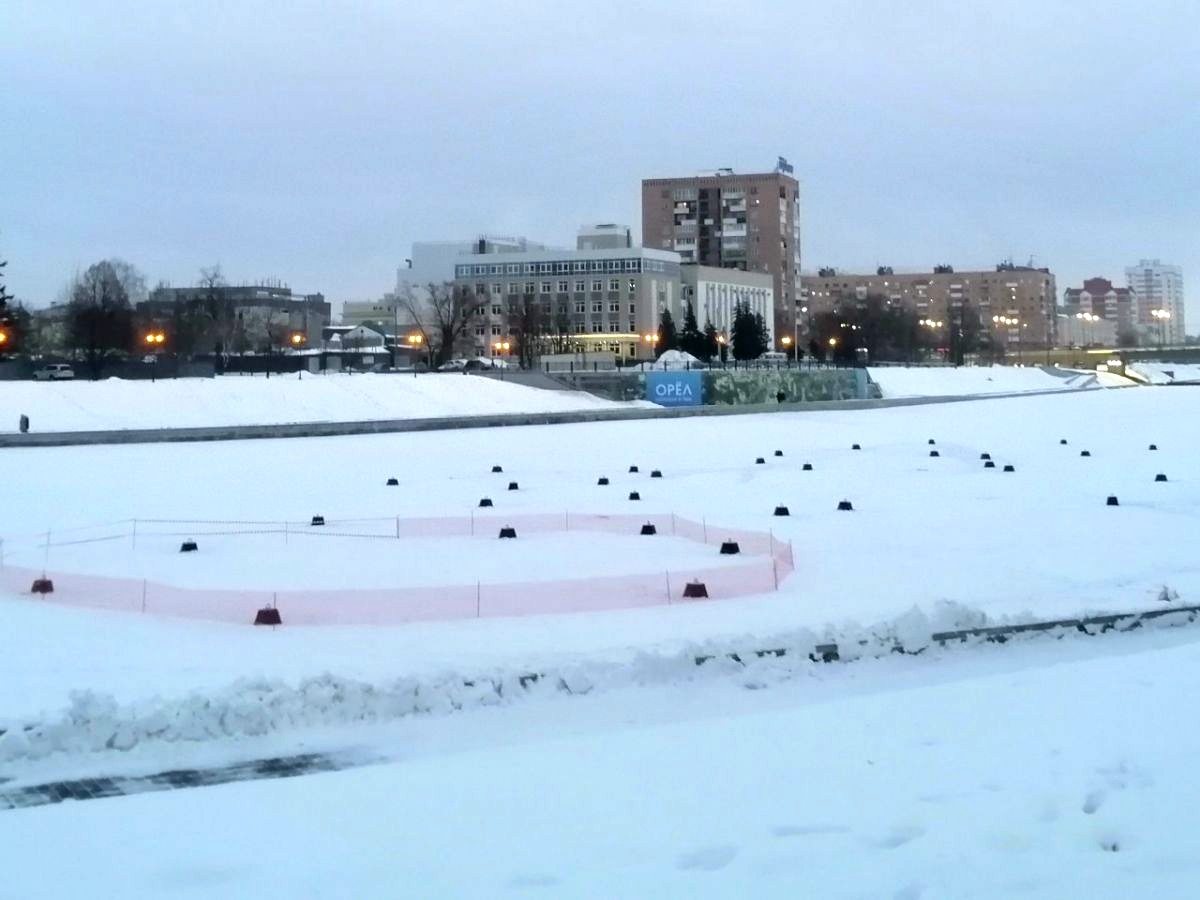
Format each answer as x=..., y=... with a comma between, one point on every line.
x=113, y=403
x=936, y=381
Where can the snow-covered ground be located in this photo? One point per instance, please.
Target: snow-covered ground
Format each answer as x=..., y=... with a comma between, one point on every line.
x=243, y=400
x=939, y=381
x=1045, y=769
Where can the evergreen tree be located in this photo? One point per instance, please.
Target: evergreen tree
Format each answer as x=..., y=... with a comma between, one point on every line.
x=667, y=339
x=711, y=346
x=690, y=339
x=762, y=335
x=745, y=337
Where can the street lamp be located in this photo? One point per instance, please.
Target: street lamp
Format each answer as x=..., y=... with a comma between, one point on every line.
x=154, y=341
x=1089, y=333
x=1162, y=315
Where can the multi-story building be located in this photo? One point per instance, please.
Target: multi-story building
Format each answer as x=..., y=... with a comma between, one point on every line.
x=587, y=300
x=1022, y=294
x=432, y=262
x=725, y=220
x=715, y=292
x=254, y=311
x=1100, y=300
x=1159, y=288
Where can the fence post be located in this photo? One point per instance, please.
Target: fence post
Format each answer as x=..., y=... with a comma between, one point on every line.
x=668, y=574
x=143, y=596
x=472, y=523
x=133, y=545
x=704, y=525
x=1, y=553
x=567, y=520
x=775, y=570
x=397, y=528
x=285, y=531
x=672, y=524
x=477, y=599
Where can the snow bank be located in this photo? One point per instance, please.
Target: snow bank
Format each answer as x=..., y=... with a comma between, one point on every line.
x=947, y=381
x=244, y=400
x=94, y=721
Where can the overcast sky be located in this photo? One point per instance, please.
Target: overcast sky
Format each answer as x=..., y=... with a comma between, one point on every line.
x=313, y=142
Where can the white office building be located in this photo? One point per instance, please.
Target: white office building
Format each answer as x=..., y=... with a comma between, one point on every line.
x=1160, y=300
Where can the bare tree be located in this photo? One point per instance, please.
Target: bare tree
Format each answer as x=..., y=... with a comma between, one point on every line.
x=527, y=323
x=100, y=316
x=442, y=314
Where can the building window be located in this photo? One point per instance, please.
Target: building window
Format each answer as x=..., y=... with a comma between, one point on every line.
x=480, y=331
x=514, y=287
x=496, y=270
x=597, y=285
x=580, y=306
x=546, y=286
x=514, y=268
x=632, y=285
x=497, y=309
x=579, y=267
x=631, y=265
x=529, y=287
x=597, y=265
x=495, y=330
x=614, y=284
x=545, y=268
x=632, y=325
x=496, y=288
x=632, y=309
x=597, y=307
x=613, y=327
x=614, y=307
x=480, y=290
x=580, y=287
x=563, y=287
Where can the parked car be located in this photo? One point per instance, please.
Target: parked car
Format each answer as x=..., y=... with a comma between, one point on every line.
x=453, y=365
x=54, y=372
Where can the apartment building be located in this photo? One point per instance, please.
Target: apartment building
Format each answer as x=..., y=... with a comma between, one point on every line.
x=727, y=220
x=588, y=300
x=1159, y=287
x=1023, y=294
x=1100, y=299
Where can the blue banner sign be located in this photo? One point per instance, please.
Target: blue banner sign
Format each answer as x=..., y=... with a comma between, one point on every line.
x=675, y=388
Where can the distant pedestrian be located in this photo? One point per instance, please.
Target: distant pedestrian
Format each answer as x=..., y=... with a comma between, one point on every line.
x=780, y=397
x=24, y=424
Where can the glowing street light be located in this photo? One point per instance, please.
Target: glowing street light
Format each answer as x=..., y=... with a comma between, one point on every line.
x=1161, y=315
x=298, y=339
x=501, y=346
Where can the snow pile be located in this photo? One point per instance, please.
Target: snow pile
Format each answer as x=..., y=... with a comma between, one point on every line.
x=948, y=381
x=243, y=400
x=1165, y=373
x=671, y=359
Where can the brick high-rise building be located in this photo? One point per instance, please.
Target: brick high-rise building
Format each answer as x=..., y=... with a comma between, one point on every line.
x=1099, y=298
x=726, y=220
x=1022, y=294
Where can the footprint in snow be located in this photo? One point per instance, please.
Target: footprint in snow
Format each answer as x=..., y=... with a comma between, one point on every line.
x=1093, y=801
x=707, y=859
x=899, y=836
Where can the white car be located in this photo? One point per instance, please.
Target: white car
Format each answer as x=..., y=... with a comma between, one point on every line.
x=54, y=372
